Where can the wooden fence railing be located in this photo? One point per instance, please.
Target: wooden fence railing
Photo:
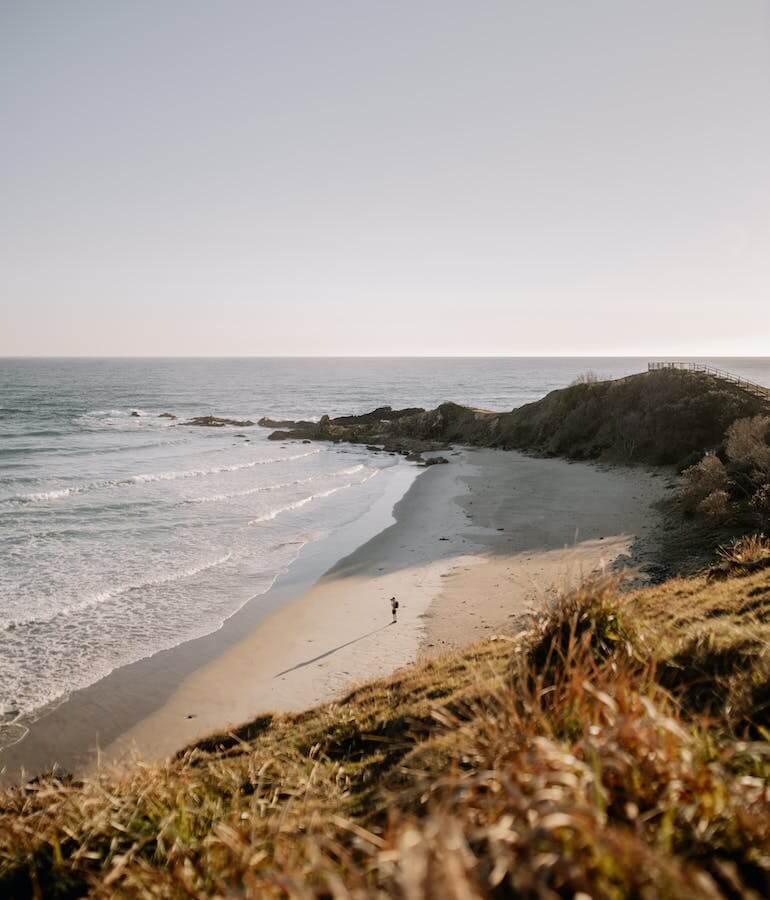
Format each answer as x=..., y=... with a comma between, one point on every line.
x=758, y=390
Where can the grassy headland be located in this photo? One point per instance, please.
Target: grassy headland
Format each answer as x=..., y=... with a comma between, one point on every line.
x=660, y=417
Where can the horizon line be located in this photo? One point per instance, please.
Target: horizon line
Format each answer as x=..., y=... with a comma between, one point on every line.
x=672, y=356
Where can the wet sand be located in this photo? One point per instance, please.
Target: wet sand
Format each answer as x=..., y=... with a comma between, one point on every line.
x=470, y=550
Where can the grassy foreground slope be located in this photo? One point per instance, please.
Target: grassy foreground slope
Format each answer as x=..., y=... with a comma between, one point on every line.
x=619, y=749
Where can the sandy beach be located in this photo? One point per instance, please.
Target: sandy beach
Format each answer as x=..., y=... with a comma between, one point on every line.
x=470, y=549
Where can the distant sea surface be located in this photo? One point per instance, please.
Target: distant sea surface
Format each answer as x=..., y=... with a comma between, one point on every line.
x=124, y=534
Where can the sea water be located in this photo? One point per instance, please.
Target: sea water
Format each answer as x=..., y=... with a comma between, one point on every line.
x=123, y=533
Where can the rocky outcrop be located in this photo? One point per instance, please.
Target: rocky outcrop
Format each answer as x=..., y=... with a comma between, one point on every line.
x=656, y=417
x=382, y=415
x=217, y=422
x=410, y=431
x=383, y=429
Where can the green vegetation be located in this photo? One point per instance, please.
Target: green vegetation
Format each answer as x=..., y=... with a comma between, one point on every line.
x=619, y=749
x=662, y=417
x=732, y=484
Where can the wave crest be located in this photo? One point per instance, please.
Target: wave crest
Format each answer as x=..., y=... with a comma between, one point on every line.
x=58, y=493
x=102, y=596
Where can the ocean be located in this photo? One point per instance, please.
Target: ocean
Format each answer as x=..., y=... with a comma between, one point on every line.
x=123, y=533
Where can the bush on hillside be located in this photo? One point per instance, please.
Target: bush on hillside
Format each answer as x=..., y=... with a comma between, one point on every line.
x=705, y=478
x=747, y=443
x=587, y=377
x=740, y=488
x=715, y=507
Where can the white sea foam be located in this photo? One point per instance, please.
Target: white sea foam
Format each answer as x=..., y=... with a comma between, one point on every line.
x=100, y=597
x=297, y=504
x=148, y=477
x=218, y=470
x=217, y=498
x=42, y=496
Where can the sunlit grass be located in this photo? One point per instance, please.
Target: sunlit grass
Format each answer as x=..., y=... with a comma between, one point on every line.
x=616, y=750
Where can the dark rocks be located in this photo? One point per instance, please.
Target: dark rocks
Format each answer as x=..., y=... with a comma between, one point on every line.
x=166, y=416
x=435, y=461
x=264, y=422
x=135, y=414
x=409, y=432
x=217, y=422
x=383, y=414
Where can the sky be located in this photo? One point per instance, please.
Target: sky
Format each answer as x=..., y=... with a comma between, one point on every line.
x=384, y=178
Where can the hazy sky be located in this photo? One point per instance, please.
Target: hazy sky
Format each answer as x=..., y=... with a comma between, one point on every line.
x=322, y=177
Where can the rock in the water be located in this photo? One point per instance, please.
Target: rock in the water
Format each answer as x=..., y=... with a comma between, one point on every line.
x=217, y=422
x=435, y=461
x=135, y=413
x=166, y=416
x=264, y=422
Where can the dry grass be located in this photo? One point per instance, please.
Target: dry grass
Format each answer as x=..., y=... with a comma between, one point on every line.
x=743, y=554
x=579, y=759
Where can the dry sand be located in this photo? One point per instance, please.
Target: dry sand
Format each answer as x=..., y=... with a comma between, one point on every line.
x=475, y=547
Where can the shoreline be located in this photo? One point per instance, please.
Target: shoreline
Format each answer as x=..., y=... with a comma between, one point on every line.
x=69, y=733
x=495, y=530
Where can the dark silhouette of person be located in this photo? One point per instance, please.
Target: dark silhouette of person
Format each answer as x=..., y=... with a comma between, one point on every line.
x=393, y=609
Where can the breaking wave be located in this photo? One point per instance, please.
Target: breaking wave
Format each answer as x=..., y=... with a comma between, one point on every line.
x=217, y=498
x=297, y=504
x=58, y=493
x=102, y=596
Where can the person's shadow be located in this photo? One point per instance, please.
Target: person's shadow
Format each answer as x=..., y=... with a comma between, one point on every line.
x=309, y=662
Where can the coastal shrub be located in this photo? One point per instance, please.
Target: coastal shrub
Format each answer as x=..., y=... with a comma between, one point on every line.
x=746, y=442
x=744, y=552
x=738, y=491
x=715, y=507
x=707, y=477
x=589, y=620
x=587, y=377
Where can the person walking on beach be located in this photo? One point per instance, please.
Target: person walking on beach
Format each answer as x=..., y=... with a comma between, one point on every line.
x=393, y=609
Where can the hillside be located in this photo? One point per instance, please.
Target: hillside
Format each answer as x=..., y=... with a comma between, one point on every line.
x=659, y=417
x=619, y=749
